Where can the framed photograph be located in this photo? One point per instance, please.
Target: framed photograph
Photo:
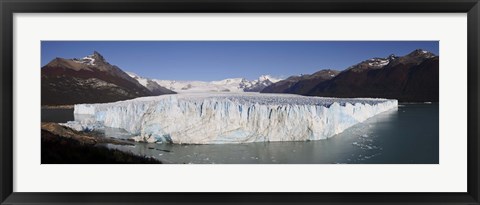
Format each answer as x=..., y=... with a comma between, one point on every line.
x=295, y=102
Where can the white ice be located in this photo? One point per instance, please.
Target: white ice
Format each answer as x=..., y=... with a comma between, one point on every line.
x=214, y=118
x=225, y=85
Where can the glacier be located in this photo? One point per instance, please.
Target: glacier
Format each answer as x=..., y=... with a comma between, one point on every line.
x=225, y=85
x=218, y=118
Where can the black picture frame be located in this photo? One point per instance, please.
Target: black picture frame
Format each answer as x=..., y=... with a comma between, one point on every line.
x=9, y=7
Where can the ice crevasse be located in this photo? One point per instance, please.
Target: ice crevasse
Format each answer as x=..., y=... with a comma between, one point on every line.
x=229, y=117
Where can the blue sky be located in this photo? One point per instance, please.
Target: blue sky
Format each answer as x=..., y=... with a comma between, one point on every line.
x=216, y=60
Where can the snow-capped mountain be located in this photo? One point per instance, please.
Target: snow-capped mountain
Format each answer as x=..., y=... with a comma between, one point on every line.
x=90, y=79
x=373, y=63
x=261, y=83
x=410, y=78
x=226, y=85
x=415, y=57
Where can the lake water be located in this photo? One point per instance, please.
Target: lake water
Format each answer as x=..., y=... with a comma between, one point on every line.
x=408, y=135
x=56, y=115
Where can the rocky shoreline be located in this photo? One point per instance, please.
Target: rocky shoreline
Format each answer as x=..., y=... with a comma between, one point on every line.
x=62, y=145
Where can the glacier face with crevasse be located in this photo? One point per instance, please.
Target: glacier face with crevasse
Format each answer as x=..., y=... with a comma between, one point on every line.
x=216, y=118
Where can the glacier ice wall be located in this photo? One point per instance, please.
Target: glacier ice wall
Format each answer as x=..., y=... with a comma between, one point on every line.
x=229, y=118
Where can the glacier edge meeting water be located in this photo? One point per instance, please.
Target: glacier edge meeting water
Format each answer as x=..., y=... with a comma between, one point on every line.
x=219, y=118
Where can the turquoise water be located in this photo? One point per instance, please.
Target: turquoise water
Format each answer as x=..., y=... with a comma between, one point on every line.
x=408, y=135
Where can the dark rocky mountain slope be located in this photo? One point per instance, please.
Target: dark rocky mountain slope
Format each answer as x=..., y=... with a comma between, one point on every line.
x=301, y=84
x=410, y=78
x=88, y=80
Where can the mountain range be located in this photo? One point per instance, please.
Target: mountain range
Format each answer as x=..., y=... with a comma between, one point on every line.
x=90, y=80
x=410, y=78
x=226, y=85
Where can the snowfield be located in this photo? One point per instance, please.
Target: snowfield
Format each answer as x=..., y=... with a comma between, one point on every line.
x=226, y=85
x=215, y=118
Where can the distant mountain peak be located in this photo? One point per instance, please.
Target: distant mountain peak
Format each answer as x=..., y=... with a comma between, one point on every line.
x=421, y=53
x=372, y=63
x=268, y=78
x=97, y=56
x=376, y=63
x=392, y=57
x=92, y=60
